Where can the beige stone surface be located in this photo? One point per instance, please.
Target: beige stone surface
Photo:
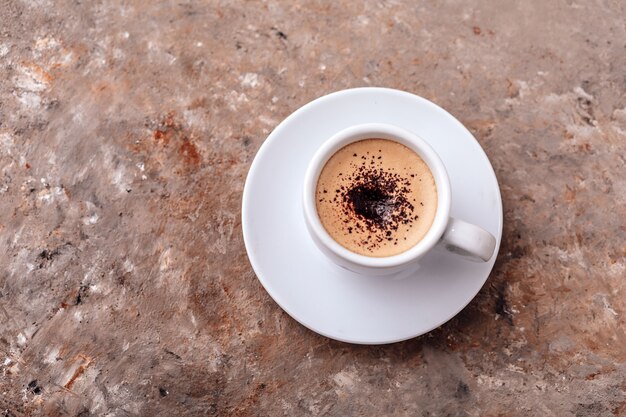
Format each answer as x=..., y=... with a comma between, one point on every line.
x=126, y=132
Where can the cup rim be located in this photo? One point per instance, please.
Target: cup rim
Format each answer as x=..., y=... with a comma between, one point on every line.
x=385, y=131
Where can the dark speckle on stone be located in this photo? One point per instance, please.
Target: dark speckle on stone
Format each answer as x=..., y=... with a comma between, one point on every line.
x=163, y=392
x=280, y=34
x=462, y=390
x=169, y=352
x=82, y=290
x=502, y=307
x=46, y=257
x=518, y=252
x=34, y=387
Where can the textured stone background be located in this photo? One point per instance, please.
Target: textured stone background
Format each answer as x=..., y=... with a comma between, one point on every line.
x=127, y=129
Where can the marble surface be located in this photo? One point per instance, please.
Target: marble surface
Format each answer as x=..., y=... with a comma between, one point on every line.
x=126, y=132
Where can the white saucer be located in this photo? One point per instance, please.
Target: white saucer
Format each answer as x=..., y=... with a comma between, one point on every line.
x=330, y=300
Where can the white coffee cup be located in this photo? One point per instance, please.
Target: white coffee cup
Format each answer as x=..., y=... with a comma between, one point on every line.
x=457, y=236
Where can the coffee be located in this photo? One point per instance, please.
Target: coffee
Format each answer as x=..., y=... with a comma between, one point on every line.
x=376, y=197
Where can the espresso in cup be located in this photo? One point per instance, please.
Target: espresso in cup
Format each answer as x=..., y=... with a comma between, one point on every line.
x=376, y=197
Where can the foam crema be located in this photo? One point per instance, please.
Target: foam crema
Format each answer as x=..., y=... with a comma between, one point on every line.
x=376, y=197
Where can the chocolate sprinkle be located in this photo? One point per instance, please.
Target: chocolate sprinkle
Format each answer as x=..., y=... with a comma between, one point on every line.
x=378, y=200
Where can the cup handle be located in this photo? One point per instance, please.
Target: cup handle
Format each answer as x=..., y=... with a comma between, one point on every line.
x=468, y=240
